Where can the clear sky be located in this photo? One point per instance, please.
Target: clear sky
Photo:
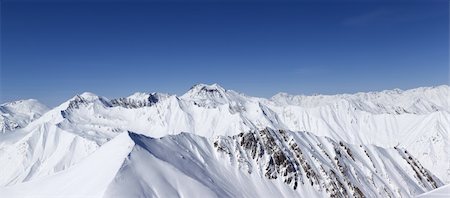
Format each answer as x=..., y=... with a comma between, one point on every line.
x=51, y=51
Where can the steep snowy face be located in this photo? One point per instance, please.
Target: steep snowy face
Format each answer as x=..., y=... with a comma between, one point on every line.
x=212, y=96
x=86, y=178
x=84, y=99
x=18, y=114
x=337, y=168
x=43, y=151
x=205, y=92
x=150, y=171
x=55, y=141
x=88, y=115
x=139, y=100
x=46, y=146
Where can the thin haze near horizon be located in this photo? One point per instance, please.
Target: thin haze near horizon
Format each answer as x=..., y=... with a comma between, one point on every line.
x=51, y=51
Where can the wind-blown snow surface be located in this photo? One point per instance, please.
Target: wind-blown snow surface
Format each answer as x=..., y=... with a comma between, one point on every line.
x=62, y=138
x=442, y=192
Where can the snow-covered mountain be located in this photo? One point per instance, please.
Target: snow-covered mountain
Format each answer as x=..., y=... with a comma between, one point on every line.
x=18, y=114
x=421, y=100
x=375, y=144
x=263, y=163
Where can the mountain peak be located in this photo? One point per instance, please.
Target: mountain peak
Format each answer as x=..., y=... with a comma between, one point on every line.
x=139, y=96
x=88, y=96
x=26, y=103
x=84, y=98
x=140, y=99
x=205, y=91
x=201, y=86
x=18, y=114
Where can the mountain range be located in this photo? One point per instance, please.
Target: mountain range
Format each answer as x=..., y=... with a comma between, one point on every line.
x=220, y=143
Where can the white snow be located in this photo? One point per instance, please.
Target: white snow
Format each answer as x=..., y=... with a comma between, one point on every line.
x=18, y=114
x=186, y=165
x=51, y=143
x=88, y=178
x=442, y=192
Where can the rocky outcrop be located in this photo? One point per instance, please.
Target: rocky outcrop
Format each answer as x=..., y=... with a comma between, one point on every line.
x=340, y=169
x=133, y=103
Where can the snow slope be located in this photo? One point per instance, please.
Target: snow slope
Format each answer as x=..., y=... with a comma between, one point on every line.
x=45, y=147
x=339, y=168
x=133, y=165
x=441, y=192
x=89, y=178
x=163, y=167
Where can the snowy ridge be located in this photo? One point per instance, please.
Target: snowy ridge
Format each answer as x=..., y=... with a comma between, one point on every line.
x=162, y=167
x=78, y=180
x=340, y=169
x=138, y=100
x=415, y=120
x=210, y=110
x=139, y=166
x=44, y=151
x=440, y=192
x=421, y=100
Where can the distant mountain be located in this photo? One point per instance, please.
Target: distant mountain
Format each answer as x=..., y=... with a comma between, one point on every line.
x=421, y=100
x=18, y=114
x=390, y=143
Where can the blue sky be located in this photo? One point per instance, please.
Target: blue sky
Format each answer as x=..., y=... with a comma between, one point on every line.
x=51, y=51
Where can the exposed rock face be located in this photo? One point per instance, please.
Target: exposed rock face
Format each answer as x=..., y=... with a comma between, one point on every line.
x=340, y=169
x=145, y=100
x=8, y=125
x=84, y=100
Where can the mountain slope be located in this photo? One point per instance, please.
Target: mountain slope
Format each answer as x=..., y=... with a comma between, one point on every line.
x=44, y=151
x=339, y=168
x=287, y=164
x=45, y=147
x=441, y=192
x=364, y=118
x=72, y=132
x=88, y=178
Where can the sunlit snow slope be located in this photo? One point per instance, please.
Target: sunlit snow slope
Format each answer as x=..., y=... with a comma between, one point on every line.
x=442, y=192
x=267, y=163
